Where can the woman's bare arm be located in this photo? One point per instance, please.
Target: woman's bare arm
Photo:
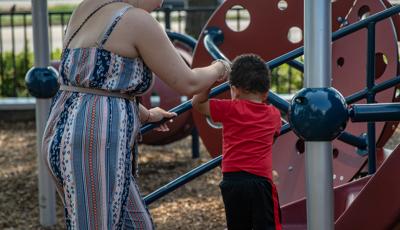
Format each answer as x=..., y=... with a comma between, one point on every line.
x=160, y=55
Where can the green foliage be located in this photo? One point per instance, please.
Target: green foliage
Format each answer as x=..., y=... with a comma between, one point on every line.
x=62, y=7
x=286, y=79
x=10, y=86
x=12, y=80
x=21, y=20
x=56, y=54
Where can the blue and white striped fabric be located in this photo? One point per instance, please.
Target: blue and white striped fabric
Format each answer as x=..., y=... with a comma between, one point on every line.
x=88, y=139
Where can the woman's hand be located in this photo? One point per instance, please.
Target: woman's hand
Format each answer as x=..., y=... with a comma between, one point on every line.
x=157, y=114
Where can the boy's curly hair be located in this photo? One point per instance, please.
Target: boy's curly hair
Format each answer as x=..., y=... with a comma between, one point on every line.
x=250, y=73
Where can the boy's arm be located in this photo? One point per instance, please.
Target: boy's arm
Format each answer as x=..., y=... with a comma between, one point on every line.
x=200, y=102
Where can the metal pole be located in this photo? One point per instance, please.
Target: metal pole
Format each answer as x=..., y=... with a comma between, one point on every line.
x=318, y=71
x=167, y=13
x=371, y=97
x=14, y=62
x=195, y=144
x=42, y=59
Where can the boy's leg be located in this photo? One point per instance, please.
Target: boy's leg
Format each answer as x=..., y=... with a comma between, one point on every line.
x=266, y=210
x=237, y=204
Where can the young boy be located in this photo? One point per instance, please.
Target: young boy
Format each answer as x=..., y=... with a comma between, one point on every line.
x=249, y=128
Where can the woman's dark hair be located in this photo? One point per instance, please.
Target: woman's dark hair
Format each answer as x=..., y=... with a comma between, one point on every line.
x=250, y=73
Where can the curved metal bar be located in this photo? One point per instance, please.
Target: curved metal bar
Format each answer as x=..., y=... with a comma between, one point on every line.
x=208, y=166
x=278, y=102
x=214, y=33
x=359, y=142
x=297, y=65
x=192, y=174
x=376, y=89
x=182, y=180
x=272, y=98
x=186, y=39
x=375, y=112
x=365, y=22
x=274, y=63
x=286, y=57
x=337, y=35
x=185, y=106
x=386, y=85
x=214, y=36
x=356, y=96
x=285, y=129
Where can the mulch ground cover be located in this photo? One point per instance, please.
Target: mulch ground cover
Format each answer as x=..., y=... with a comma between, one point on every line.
x=197, y=205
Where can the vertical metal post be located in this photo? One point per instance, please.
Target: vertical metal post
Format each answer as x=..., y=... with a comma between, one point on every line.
x=195, y=144
x=167, y=14
x=62, y=27
x=318, y=71
x=371, y=96
x=2, y=67
x=290, y=75
x=180, y=21
x=26, y=62
x=51, y=37
x=42, y=59
x=14, y=62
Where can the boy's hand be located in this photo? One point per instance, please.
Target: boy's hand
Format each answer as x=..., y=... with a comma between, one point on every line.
x=222, y=79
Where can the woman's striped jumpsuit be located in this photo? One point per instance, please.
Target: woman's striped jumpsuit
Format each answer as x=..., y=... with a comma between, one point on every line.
x=88, y=138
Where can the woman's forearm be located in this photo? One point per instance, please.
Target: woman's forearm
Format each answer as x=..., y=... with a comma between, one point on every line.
x=205, y=77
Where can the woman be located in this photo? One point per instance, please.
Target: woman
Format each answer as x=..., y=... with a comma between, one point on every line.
x=109, y=49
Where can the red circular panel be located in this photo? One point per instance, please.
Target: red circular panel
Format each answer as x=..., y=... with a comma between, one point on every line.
x=165, y=97
x=267, y=36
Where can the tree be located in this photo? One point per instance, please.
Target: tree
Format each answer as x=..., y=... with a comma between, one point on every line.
x=195, y=21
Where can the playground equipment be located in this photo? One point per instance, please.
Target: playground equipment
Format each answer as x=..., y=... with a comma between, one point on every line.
x=47, y=201
x=349, y=152
x=346, y=78
x=358, y=203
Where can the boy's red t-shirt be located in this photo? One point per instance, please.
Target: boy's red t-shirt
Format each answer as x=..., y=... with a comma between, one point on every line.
x=248, y=134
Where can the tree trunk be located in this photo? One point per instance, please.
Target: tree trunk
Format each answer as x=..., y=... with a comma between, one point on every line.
x=195, y=21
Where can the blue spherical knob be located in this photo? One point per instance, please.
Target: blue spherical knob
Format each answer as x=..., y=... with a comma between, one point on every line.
x=318, y=114
x=42, y=82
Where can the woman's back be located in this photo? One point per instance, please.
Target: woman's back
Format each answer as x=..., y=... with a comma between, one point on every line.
x=94, y=18
x=93, y=66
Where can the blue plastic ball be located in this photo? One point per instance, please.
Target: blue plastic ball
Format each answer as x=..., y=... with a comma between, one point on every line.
x=318, y=114
x=42, y=82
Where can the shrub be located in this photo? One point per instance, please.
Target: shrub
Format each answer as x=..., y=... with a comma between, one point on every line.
x=12, y=80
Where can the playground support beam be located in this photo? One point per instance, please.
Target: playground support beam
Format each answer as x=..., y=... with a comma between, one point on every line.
x=375, y=112
x=318, y=71
x=371, y=96
x=47, y=194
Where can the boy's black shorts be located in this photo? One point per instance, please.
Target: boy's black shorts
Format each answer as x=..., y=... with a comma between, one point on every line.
x=251, y=202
